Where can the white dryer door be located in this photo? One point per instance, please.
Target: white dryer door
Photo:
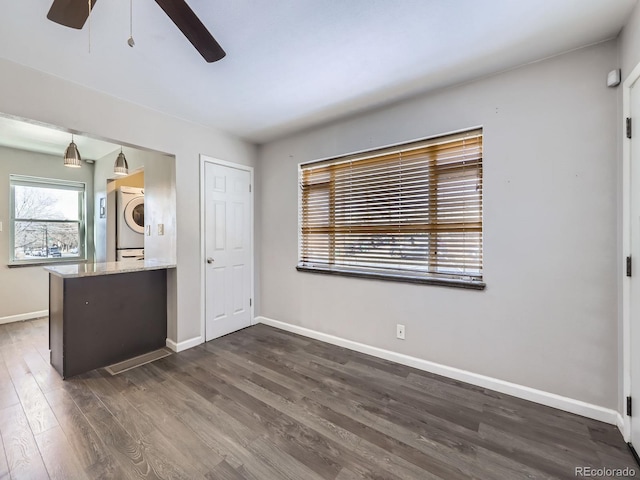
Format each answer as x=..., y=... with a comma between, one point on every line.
x=134, y=214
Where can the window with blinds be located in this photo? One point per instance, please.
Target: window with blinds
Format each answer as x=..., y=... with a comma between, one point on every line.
x=411, y=212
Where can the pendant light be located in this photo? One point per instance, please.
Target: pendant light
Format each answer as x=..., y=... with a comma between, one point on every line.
x=121, y=167
x=72, y=157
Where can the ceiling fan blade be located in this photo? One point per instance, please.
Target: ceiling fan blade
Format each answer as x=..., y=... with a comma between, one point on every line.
x=70, y=13
x=192, y=28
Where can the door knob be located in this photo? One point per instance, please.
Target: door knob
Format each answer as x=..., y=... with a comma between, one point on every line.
x=209, y=260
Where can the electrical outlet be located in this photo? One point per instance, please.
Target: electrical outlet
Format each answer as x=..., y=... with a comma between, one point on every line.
x=161, y=229
x=400, y=331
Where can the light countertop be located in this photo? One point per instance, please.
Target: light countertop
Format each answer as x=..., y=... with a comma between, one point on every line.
x=76, y=270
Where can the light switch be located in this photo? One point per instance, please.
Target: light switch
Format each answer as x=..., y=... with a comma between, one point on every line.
x=148, y=230
x=161, y=229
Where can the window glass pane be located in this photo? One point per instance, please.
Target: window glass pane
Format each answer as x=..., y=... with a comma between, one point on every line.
x=38, y=240
x=45, y=203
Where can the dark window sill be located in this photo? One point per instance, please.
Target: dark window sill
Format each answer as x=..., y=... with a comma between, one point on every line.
x=424, y=280
x=46, y=263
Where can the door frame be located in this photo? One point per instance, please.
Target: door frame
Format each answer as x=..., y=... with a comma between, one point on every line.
x=204, y=159
x=624, y=422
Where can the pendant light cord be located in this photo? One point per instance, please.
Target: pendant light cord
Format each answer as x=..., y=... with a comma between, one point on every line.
x=89, y=16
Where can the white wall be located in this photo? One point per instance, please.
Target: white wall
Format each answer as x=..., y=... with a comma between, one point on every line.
x=160, y=203
x=547, y=318
x=630, y=43
x=34, y=95
x=24, y=290
x=160, y=207
x=103, y=171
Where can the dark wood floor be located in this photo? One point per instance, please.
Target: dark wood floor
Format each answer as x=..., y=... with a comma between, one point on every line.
x=265, y=404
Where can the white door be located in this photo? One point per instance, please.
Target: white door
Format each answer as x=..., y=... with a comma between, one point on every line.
x=228, y=249
x=635, y=255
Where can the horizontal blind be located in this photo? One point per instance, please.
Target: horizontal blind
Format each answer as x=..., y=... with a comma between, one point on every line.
x=411, y=209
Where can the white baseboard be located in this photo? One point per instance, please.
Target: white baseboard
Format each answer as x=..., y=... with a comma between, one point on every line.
x=620, y=423
x=571, y=405
x=24, y=316
x=184, y=345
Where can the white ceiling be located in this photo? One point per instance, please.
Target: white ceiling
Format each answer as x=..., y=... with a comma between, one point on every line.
x=292, y=64
x=44, y=139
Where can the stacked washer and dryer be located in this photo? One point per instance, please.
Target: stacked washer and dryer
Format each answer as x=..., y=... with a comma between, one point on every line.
x=130, y=224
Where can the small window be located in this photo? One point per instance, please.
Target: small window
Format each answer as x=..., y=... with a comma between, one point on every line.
x=47, y=220
x=412, y=212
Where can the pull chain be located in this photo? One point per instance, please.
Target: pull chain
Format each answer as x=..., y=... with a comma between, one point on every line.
x=130, y=41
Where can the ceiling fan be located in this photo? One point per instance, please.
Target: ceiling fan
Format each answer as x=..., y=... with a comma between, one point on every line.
x=74, y=14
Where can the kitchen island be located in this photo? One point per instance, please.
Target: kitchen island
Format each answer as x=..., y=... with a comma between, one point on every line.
x=104, y=313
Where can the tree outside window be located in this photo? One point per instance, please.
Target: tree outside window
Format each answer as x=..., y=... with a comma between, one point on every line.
x=47, y=219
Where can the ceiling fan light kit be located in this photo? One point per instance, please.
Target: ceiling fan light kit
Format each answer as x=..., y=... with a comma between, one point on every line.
x=74, y=14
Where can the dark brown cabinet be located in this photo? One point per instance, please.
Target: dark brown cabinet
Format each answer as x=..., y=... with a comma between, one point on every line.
x=95, y=321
